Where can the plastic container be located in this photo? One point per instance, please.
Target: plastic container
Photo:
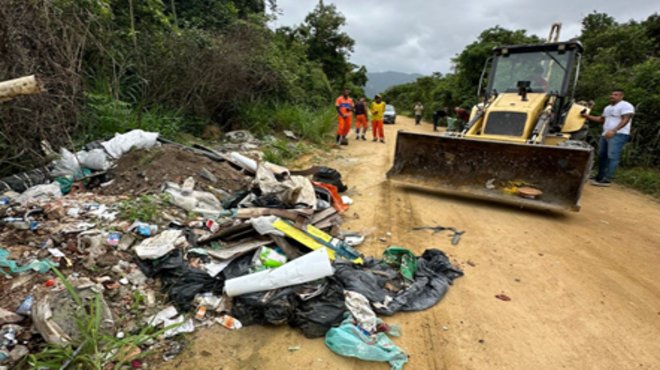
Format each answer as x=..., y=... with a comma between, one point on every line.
x=188, y=187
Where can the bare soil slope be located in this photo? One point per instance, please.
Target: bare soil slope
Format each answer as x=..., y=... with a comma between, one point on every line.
x=584, y=287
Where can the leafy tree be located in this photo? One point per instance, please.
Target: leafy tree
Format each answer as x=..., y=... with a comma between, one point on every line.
x=328, y=45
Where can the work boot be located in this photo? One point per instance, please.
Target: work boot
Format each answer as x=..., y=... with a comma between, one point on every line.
x=364, y=138
x=604, y=183
x=375, y=139
x=357, y=137
x=382, y=141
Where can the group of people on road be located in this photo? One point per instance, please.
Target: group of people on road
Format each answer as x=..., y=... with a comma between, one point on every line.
x=346, y=107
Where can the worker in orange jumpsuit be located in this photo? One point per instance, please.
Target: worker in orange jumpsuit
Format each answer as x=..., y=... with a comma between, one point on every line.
x=361, y=119
x=345, y=107
x=377, y=110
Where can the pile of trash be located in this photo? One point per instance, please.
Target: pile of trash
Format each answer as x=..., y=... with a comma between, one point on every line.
x=216, y=237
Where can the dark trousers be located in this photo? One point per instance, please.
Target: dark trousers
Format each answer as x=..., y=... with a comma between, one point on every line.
x=418, y=119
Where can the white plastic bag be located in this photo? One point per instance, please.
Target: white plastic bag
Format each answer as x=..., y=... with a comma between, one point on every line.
x=123, y=143
x=95, y=160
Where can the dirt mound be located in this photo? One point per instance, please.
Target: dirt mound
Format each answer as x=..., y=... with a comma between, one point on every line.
x=144, y=171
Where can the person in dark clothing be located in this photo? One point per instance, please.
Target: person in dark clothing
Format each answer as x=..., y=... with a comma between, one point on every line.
x=440, y=114
x=361, y=119
x=462, y=115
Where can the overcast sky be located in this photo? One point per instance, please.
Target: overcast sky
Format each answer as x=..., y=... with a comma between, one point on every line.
x=421, y=36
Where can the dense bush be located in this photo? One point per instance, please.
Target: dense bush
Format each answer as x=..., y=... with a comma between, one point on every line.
x=167, y=66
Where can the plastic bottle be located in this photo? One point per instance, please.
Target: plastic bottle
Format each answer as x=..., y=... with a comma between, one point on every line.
x=188, y=186
x=220, y=193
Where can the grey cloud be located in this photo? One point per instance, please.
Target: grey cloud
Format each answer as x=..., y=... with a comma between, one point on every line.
x=417, y=36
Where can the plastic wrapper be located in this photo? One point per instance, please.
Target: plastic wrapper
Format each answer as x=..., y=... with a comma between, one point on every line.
x=348, y=340
x=123, y=143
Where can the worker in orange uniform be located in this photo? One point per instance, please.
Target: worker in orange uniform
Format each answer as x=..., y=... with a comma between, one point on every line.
x=361, y=119
x=345, y=107
x=377, y=110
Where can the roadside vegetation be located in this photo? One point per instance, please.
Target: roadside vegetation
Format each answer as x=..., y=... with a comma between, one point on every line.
x=168, y=66
x=625, y=55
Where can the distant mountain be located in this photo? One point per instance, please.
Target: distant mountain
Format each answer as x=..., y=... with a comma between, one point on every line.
x=380, y=81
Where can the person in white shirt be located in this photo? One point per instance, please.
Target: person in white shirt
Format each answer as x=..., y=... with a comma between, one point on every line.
x=616, y=120
x=418, y=112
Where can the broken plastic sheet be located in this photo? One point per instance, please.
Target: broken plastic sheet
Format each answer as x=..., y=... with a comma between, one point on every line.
x=39, y=192
x=291, y=190
x=38, y=266
x=123, y=143
x=312, y=266
x=234, y=250
x=160, y=244
x=432, y=280
x=347, y=340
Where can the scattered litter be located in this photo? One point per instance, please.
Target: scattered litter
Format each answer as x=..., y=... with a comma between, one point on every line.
x=490, y=184
x=229, y=322
x=179, y=325
x=174, y=350
x=354, y=240
x=503, y=297
x=290, y=135
x=456, y=237
x=189, y=236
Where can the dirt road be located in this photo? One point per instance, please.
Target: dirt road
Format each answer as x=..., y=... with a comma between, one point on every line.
x=584, y=287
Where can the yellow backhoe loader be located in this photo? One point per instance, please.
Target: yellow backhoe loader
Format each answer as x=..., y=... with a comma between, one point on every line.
x=526, y=134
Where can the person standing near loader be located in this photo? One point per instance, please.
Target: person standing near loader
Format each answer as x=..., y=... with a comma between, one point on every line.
x=377, y=110
x=616, y=120
x=419, y=108
x=361, y=119
x=344, y=105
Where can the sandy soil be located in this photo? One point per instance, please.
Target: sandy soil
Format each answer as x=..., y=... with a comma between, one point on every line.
x=583, y=286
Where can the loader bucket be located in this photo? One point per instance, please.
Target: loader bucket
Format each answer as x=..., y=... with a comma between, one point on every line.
x=493, y=170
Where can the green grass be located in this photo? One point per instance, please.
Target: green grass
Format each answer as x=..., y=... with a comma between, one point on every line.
x=144, y=208
x=96, y=348
x=265, y=118
x=646, y=180
x=281, y=152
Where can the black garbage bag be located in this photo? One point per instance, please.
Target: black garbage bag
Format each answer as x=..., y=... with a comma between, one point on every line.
x=318, y=314
x=172, y=264
x=330, y=176
x=185, y=283
x=275, y=307
x=23, y=181
x=432, y=279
